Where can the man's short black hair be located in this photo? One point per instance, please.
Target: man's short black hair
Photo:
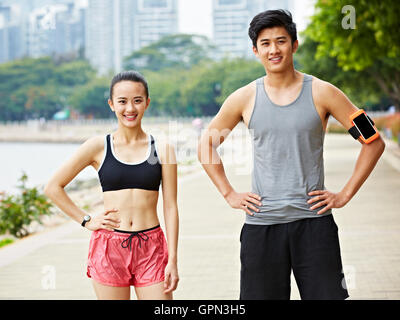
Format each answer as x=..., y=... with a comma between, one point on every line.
x=270, y=19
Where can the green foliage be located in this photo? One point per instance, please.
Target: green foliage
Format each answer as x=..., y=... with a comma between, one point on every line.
x=375, y=35
x=183, y=81
x=200, y=90
x=33, y=88
x=5, y=242
x=360, y=87
x=18, y=211
x=181, y=51
x=373, y=47
x=91, y=98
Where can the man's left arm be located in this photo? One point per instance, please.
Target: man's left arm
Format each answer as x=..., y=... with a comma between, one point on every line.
x=335, y=102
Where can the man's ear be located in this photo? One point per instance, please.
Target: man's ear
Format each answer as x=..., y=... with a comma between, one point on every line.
x=255, y=51
x=111, y=105
x=295, y=46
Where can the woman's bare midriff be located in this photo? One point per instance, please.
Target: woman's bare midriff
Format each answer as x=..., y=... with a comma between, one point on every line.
x=137, y=208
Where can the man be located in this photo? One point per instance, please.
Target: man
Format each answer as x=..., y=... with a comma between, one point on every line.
x=289, y=223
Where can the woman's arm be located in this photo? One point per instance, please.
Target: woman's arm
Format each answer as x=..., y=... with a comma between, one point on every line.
x=87, y=154
x=170, y=207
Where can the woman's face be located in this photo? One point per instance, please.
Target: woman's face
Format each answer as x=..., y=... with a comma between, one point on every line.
x=129, y=102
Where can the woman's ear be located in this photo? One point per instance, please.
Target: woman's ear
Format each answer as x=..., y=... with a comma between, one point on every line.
x=111, y=105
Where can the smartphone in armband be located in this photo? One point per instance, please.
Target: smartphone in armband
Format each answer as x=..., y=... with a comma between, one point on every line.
x=363, y=127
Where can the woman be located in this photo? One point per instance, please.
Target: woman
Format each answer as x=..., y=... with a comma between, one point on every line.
x=127, y=245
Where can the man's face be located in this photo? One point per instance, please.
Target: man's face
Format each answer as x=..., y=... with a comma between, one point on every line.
x=275, y=49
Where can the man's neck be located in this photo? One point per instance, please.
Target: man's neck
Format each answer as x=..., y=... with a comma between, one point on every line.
x=282, y=79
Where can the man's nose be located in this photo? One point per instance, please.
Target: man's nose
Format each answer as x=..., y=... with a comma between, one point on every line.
x=274, y=48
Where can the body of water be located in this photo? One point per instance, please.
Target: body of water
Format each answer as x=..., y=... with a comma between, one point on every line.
x=38, y=160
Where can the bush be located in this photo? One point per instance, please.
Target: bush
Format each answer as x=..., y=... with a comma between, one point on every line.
x=5, y=242
x=18, y=211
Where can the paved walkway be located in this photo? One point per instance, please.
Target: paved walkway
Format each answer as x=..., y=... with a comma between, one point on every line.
x=51, y=265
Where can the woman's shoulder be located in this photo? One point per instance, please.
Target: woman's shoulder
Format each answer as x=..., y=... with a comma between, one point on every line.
x=94, y=144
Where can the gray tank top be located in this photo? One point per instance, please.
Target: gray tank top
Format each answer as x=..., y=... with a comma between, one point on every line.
x=288, y=156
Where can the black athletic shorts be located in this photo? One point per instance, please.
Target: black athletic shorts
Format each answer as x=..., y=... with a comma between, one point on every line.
x=309, y=247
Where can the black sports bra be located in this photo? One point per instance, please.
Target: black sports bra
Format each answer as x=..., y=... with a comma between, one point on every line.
x=115, y=174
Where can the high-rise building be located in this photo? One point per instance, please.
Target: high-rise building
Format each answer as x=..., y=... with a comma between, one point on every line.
x=231, y=19
x=40, y=28
x=11, y=35
x=101, y=33
x=116, y=28
x=153, y=20
x=55, y=29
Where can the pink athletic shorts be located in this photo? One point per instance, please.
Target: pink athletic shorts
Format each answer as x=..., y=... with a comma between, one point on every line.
x=123, y=258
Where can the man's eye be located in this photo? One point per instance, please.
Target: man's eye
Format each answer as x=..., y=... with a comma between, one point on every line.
x=121, y=101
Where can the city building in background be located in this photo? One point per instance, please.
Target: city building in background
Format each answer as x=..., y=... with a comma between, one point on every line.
x=106, y=31
x=13, y=32
x=153, y=20
x=116, y=28
x=35, y=28
x=231, y=19
x=56, y=30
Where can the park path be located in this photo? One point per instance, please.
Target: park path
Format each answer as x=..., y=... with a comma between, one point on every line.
x=52, y=264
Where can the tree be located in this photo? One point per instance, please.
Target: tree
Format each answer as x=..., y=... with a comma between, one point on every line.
x=372, y=46
x=33, y=88
x=181, y=51
x=91, y=99
x=359, y=86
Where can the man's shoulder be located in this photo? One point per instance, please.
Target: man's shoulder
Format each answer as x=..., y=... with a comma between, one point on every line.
x=323, y=90
x=322, y=85
x=245, y=92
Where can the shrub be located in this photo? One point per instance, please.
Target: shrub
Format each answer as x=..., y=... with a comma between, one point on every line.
x=18, y=211
x=5, y=242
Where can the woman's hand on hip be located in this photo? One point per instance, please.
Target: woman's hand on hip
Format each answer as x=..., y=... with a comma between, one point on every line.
x=108, y=220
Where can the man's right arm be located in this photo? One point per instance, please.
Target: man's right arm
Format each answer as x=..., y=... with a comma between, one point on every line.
x=218, y=130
